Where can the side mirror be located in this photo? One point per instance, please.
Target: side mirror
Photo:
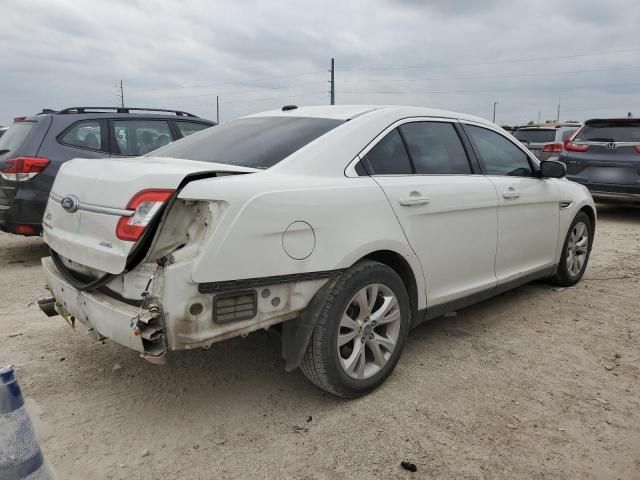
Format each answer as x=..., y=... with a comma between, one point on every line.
x=552, y=169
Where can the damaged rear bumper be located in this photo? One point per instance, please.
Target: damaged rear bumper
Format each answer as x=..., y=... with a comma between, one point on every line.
x=137, y=328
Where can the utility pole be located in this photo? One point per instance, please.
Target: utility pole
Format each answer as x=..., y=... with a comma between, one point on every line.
x=121, y=95
x=217, y=109
x=494, y=111
x=558, y=117
x=539, y=117
x=333, y=82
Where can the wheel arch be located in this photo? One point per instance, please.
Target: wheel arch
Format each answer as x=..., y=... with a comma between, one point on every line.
x=591, y=213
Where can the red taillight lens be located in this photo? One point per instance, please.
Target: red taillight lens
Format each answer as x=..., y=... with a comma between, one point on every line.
x=637, y=147
x=145, y=205
x=572, y=147
x=23, y=168
x=552, y=147
x=25, y=230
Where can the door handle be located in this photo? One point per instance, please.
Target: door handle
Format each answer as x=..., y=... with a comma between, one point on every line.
x=413, y=200
x=511, y=193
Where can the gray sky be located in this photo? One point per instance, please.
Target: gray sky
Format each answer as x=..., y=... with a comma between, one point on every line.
x=258, y=55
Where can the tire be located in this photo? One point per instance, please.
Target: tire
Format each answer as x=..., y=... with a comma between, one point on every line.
x=568, y=272
x=358, y=366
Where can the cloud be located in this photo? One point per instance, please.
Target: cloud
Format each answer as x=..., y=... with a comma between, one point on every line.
x=259, y=55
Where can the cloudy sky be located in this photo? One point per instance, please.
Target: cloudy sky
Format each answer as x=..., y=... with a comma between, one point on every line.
x=256, y=55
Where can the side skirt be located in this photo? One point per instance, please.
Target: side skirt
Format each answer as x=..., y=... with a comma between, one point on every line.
x=438, y=310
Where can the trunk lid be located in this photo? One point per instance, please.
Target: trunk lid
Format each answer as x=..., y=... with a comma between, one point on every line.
x=96, y=193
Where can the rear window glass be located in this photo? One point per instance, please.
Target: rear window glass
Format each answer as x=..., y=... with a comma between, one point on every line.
x=13, y=138
x=610, y=131
x=258, y=142
x=189, y=128
x=536, y=136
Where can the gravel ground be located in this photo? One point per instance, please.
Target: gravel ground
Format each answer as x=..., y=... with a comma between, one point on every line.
x=536, y=383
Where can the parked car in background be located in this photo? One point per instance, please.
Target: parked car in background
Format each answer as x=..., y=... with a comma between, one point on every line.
x=545, y=142
x=34, y=148
x=347, y=225
x=604, y=155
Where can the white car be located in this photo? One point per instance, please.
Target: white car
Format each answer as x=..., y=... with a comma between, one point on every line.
x=347, y=225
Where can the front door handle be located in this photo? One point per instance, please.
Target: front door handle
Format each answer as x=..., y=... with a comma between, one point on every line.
x=413, y=200
x=511, y=193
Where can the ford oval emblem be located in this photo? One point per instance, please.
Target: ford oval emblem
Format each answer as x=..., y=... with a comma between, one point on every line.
x=70, y=203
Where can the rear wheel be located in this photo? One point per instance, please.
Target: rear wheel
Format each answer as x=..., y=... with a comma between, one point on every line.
x=360, y=332
x=575, y=251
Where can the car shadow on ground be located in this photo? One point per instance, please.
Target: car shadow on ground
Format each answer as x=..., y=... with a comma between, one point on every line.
x=629, y=214
x=248, y=372
x=27, y=250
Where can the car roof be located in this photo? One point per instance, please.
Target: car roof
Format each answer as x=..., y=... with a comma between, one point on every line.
x=617, y=120
x=349, y=112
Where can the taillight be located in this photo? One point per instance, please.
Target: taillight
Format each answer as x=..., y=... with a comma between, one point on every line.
x=23, y=168
x=573, y=147
x=637, y=147
x=552, y=147
x=145, y=205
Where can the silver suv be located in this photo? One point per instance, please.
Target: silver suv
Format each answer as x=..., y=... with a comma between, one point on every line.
x=545, y=142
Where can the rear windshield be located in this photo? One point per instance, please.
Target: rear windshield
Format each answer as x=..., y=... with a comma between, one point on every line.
x=536, y=136
x=13, y=138
x=258, y=142
x=610, y=131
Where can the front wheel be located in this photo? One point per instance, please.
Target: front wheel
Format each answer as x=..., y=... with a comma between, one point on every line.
x=575, y=251
x=360, y=332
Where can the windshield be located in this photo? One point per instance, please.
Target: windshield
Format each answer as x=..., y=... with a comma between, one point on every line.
x=610, y=131
x=537, y=135
x=13, y=138
x=258, y=142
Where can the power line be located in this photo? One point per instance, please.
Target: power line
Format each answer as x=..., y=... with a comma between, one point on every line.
x=229, y=92
x=391, y=92
x=476, y=77
x=493, y=62
x=238, y=82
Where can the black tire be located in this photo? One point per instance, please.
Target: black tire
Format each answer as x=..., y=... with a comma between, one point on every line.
x=320, y=363
x=563, y=276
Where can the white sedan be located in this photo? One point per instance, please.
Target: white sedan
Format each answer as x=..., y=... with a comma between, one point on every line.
x=347, y=225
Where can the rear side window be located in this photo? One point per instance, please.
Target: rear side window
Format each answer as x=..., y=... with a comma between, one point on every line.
x=138, y=137
x=499, y=155
x=189, y=128
x=566, y=135
x=258, y=142
x=86, y=134
x=537, y=135
x=435, y=148
x=13, y=138
x=389, y=156
x=610, y=131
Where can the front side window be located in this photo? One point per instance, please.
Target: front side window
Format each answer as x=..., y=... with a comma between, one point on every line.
x=389, y=156
x=499, y=155
x=86, y=134
x=435, y=148
x=137, y=137
x=189, y=128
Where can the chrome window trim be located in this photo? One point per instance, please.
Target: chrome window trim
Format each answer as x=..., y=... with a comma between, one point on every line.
x=89, y=207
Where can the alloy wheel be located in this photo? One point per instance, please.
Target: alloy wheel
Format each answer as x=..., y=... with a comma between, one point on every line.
x=577, y=249
x=369, y=331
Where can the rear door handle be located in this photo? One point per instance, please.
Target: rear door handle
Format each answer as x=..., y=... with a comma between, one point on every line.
x=413, y=200
x=511, y=193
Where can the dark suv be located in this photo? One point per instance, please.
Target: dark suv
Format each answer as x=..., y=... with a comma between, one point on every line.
x=604, y=155
x=33, y=149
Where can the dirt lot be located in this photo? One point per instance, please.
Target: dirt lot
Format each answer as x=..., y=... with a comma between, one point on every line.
x=537, y=383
